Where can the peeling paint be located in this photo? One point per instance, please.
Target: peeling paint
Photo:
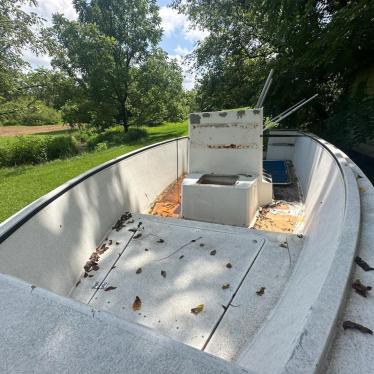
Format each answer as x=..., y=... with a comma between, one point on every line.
x=208, y=125
x=222, y=114
x=240, y=113
x=206, y=115
x=233, y=146
x=195, y=119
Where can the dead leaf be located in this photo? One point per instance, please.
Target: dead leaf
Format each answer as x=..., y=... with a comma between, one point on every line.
x=85, y=275
x=362, y=264
x=77, y=284
x=163, y=273
x=146, y=249
x=139, y=271
x=137, y=304
x=180, y=257
x=357, y=326
x=226, y=286
x=202, y=244
x=138, y=235
x=95, y=267
x=213, y=253
x=117, y=243
x=360, y=288
x=283, y=245
x=198, y=309
x=110, y=242
x=160, y=240
x=228, y=265
x=133, y=229
x=109, y=288
x=362, y=189
x=261, y=291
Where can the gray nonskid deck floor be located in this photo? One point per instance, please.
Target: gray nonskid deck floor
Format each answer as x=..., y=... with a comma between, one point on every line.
x=176, y=265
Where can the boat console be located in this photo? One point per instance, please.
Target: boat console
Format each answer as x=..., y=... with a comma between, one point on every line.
x=225, y=183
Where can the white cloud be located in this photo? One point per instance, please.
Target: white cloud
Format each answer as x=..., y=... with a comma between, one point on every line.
x=37, y=61
x=173, y=22
x=45, y=9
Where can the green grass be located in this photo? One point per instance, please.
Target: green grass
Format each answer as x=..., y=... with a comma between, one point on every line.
x=21, y=185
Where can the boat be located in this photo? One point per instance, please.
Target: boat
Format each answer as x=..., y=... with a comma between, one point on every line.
x=232, y=250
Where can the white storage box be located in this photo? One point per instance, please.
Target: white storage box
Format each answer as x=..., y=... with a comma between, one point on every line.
x=225, y=199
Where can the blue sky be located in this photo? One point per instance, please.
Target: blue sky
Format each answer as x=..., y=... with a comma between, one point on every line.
x=178, y=40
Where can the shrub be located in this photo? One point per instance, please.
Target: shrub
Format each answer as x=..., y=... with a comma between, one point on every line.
x=25, y=111
x=116, y=136
x=101, y=147
x=135, y=134
x=34, y=150
x=26, y=151
x=61, y=147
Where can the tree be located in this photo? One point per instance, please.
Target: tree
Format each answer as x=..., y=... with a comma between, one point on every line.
x=315, y=46
x=18, y=30
x=157, y=93
x=102, y=50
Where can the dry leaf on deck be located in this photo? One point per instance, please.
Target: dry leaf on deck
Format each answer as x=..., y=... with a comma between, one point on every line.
x=163, y=273
x=213, y=253
x=137, y=304
x=226, y=286
x=362, y=264
x=261, y=291
x=139, y=271
x=360, y=288
x=198, y=309
x=110, y=288
x=357, y=326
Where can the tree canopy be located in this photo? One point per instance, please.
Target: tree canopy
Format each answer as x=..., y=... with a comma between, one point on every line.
x=315, y=46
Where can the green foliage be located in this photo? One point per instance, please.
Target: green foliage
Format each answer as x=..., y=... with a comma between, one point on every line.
x=19, y=29
x=27, y=111
x=157, y=93
x=313, y=46
x=61, y=147
x=35, y=150
x=101, y=49
x=99, y=147
x=115, y=136
x=353, y=122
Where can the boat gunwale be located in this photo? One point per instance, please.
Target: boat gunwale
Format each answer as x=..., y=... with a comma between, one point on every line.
x=17, y=220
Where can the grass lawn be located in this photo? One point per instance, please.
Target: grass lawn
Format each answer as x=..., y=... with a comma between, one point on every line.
x=21, y=185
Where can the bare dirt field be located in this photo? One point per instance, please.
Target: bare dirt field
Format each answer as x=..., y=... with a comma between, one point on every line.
x=28, y=130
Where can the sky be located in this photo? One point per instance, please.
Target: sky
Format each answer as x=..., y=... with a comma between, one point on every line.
x=179, y=38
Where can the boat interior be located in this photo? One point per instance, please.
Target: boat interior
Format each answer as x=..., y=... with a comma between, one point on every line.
x=207, y=240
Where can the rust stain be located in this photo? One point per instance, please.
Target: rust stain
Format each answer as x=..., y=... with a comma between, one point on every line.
x=277, y=218
x=167, y=203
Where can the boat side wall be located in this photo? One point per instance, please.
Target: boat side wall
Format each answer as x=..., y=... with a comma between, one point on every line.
x=297, y=334
x=47, y=242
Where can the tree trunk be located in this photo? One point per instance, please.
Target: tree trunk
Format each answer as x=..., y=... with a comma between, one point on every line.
x=123, y=115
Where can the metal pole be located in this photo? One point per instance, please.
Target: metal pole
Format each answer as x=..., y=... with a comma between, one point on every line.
x=265, y=93
x=264, y=88
x=296, y=108
x=286, y=111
